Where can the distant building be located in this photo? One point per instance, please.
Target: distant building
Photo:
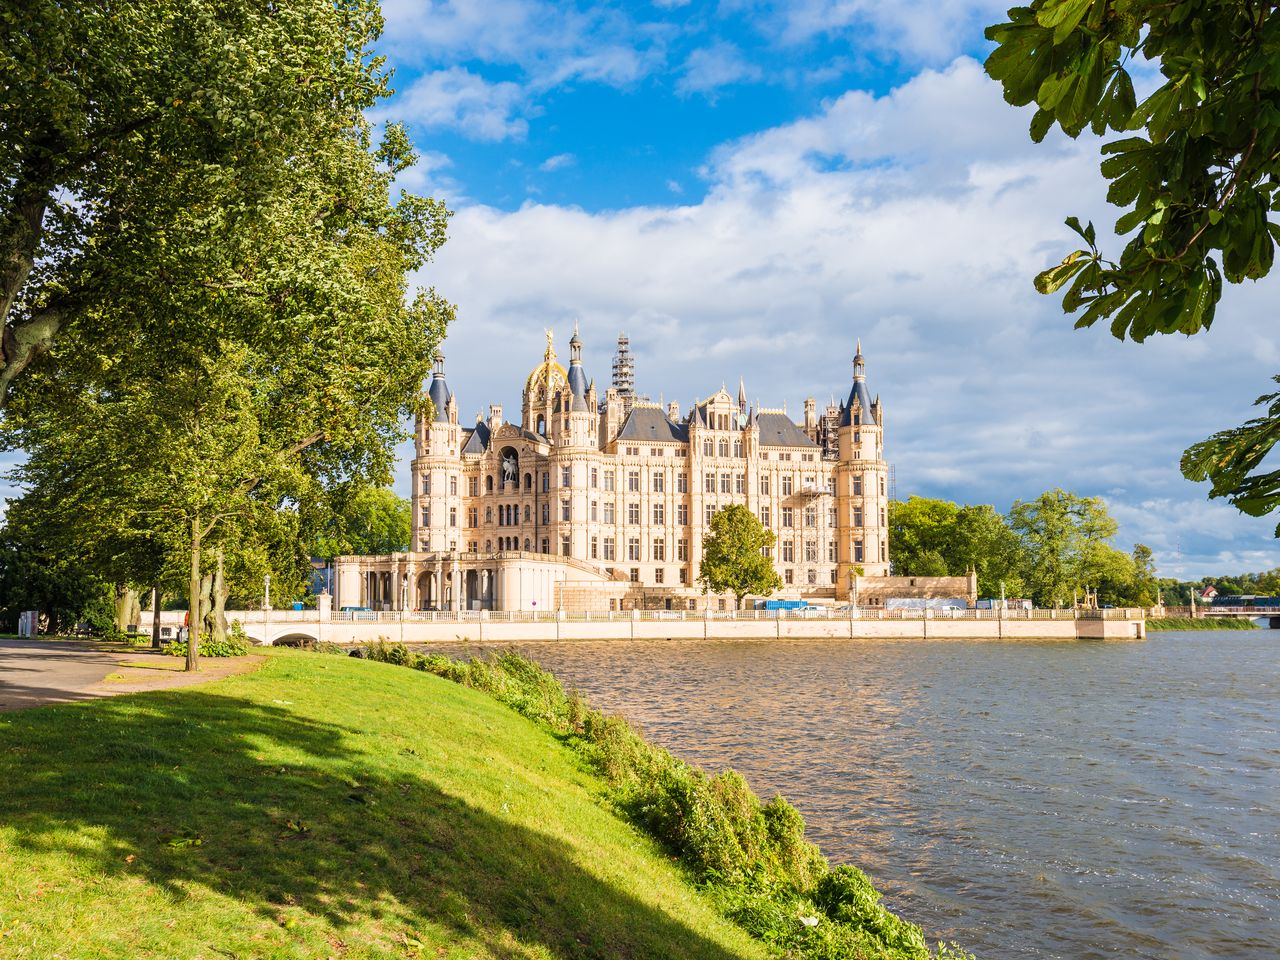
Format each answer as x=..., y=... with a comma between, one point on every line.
x=596, y=502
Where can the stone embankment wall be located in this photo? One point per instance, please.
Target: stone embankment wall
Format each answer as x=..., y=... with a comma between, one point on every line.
x=483, y=627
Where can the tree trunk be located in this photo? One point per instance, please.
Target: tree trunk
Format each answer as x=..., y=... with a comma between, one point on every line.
x=193, y=605
x=155, y=617
x=23, y=227
x=213, y=594
x=128, y=611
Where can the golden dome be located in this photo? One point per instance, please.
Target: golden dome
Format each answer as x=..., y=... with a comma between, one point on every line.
x=548, y=374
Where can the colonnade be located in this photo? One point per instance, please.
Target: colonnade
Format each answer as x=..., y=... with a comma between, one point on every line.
x=443, y=586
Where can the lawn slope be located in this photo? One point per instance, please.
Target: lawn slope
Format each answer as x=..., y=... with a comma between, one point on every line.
x=324, y=807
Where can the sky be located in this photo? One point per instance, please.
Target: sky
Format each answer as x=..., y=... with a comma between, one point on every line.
x=745, y=187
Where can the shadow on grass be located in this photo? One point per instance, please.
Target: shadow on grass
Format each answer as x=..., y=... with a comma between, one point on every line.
x=324, y=833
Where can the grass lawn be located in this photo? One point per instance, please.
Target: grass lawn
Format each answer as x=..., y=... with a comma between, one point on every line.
x=323, y=807
x=1199, y=623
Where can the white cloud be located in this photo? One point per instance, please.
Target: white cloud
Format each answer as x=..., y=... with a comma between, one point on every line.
x=719, y=65
x=459, y=99
x=558, y=162
x=915, y=220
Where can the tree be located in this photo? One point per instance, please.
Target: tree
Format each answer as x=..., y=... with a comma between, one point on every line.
x=368, y=522
x=733, y=558
x=140, y=139
x=1065, y=539
x=1197, y=174
x=934, y=538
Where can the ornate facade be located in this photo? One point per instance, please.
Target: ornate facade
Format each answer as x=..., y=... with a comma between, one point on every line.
x=596, y=502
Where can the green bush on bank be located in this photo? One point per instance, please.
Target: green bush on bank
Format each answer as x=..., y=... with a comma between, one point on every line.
x=751, y=858
x=235, y=645
x=1200, y=623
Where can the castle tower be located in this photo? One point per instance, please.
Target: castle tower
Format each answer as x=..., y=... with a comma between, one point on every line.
x=624, y=371
x=862, y=500
x=582, y=428
x=437, y=470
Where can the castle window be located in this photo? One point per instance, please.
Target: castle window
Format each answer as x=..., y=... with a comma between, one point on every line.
x=788, y=576
x=831, y=517
x=426, y=483
x=786, y=484
x=813, y=577
x=564, y=509
x=684, y=579
x=488, y=484
x=682, y=549
x=787, y=516
x=528, y=481
x=633, y=548
x=737, y=448
x=659, y=514
x=502, y=516
x=473, y=517
x=546, y=483
x=633, y=513
x=739, y=483
x=682, y=483
x=633, y=451
x=857, y=484
x=857, y=551
x=608, y=480
x=595, y=477
x=609, y=549
x=608, y=512
x=566, y=476
x=542, y=428
x=682, y=514
x=635, y=574
x=595, y=548
x=710, y=513
x=488, y=546
x=708, y=447
x=488, y=514
x=655, y=451
x=564, y=546
x=724, y=483
x=658, y=575
x=764, y=485
x=882, y=551
x=835, y=577
x=857, y=516
x=709, y=483
x=426, y=516
x=882, y=486
x=765, y=515
x=595, y=510
x=831, y=486
x=546, y=545
x=659, y=549
x=546, y=515
x=857, y=437
x=882, y=516
x=788, y=551
x=831, y=552
x=857, y=419
x=659, y=482
x=453, y=486
x=453, y=516
x=633, y=480
x=724, y=448
x=473, y=486
x=810, y=552
x=810, y=516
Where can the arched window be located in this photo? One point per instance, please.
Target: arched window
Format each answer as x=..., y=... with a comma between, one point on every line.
x=542, y=425
x=488, y=484
x=528, y=481
x=526, y=513
x=488, y=546
x=526, y=543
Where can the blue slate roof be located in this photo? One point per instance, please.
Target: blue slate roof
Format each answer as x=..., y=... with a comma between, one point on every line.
x=859, y=393
x=439, y=394
x=477, y=439
x=778, y=430
x=651, y=423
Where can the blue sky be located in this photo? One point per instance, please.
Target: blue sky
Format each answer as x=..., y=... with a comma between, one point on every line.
x=744, y=187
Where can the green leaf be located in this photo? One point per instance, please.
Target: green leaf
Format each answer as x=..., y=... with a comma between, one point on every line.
x=1052, y=279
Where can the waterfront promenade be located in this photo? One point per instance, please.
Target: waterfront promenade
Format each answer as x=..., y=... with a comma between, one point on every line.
x=484, y=626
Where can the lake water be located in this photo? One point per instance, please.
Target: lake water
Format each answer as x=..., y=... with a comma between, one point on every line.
x=1026, y=800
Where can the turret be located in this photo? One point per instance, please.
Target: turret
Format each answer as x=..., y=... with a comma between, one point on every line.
x=861, y=477
x=437, y=469
x=581, y=415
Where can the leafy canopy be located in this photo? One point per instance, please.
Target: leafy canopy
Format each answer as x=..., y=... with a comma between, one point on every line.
x=1195, y=168
x=733, y=557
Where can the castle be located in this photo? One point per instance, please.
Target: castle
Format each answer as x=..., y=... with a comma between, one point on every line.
x=596, y=503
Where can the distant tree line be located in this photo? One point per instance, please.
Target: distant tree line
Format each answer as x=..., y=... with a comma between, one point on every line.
x=1050, y=550
x=1178, y=592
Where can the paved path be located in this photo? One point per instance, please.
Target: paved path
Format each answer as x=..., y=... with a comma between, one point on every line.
x=36, y=672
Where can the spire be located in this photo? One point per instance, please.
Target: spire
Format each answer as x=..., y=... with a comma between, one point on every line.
x=439, y=392
x=742, y=396
x=858, y=395
x=577, y=376
x=551, y=350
